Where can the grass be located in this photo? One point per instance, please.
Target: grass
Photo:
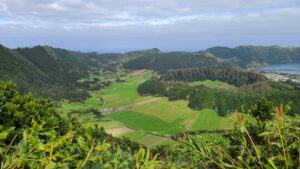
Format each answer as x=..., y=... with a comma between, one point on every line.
x=166, y=117
x=151, y=140
x=207, y=119
x=94, y=101
x=134, y=135
x=105, y=124
x=91, y=103
x=147, y=139
x=211, y=137
x=125, y=93
x=146, y=122
x=213, y=84
x=115, y=95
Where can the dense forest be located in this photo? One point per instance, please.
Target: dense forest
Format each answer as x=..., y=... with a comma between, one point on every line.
x=34, y=135
x=161, y=62
x=47, y=71
x=219, y=72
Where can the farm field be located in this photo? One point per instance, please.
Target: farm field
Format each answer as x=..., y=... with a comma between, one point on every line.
x=170, y=117
x=107, y=124
x=125, y=93
x=147, y=139
x=116, y=95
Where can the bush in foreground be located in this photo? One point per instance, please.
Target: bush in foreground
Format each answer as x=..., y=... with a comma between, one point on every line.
x=34, y=135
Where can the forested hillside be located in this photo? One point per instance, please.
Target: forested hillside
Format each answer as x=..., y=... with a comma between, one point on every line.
x=17, y=68
x=162, y=62
x=54, y=72
x=251, y=56
x=243, y=56
x=49, y=72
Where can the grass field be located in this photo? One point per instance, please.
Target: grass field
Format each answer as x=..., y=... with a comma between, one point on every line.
x=213, y=84
x=125, y=93
x=91, y=103
x=147, y=139
x=166, y=117
x=115, y=95
x=102, y=123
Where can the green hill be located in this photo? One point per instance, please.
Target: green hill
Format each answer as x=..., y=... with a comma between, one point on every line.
x=17, y=68
x=162, y=62
x=243, y=56
x=48, y=71
x=251, y=56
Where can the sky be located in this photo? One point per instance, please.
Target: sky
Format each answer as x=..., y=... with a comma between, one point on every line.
x=170, y=25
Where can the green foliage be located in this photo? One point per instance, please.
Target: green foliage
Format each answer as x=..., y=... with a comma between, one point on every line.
x=222, y=73
x=34, y=135
x=19, y=111
x=278, y=146
x=213, y=84
x=263, y=110
x=161, y=62
x=220, y=99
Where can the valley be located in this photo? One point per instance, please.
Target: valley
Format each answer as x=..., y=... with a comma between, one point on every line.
x=162, y=108
x=137, y=84
x=149, y=120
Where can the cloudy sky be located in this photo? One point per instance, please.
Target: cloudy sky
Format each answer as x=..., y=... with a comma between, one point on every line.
x=124, y=25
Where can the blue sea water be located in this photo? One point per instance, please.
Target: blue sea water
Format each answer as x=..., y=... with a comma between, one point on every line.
x=293, y=68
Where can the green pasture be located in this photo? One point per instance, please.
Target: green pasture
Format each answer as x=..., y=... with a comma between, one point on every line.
x=147, y=139
x=93, y=102
x=213, y=84
x=170, y=117
x=102, y=123
x=125, y=93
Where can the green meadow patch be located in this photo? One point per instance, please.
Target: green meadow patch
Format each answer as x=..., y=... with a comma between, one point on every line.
x=125, y=93
x=145, y=122
x=94, y=102
x=170, y=117
x=213, y=84
x=102, y=123
x=147, y=139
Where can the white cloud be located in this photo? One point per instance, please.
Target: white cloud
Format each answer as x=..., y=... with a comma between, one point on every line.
x=141, y=20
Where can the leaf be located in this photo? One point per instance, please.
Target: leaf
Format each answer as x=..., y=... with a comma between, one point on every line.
x=2, y=150
x=3, y=135
x=267, y=133
x=271, y=162
x=51, y=165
